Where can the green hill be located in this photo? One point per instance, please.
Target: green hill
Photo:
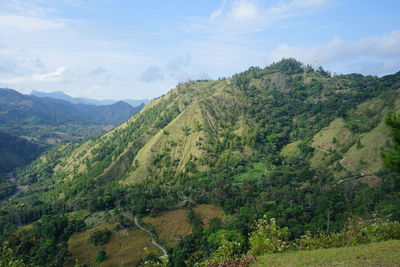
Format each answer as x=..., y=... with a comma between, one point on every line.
x=284, y=141
x=30, y=124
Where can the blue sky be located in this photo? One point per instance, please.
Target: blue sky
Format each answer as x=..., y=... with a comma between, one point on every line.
x=141, y=49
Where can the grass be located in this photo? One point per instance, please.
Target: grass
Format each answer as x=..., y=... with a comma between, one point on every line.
x=186, y=144
x=336, y=129
x=171, y=226
x=368, y=157
x=205, y=212
x=125, y=248
x=255, y=172
x=291, y=150
x=375, y=254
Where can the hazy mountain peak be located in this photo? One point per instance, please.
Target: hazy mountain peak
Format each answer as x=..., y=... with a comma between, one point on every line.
x=89, y=101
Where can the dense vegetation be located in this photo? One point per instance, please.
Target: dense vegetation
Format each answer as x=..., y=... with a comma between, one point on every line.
x=29, y=125
x=222, y=142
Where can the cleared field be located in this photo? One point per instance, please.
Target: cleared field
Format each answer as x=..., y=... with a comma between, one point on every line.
x=171, y=226
x=206, y=212
x=375, y=254
x=255, y=172
x=125, y=248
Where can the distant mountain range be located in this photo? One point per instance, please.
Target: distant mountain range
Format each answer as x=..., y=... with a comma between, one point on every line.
x=87, y=101
x=29, y=124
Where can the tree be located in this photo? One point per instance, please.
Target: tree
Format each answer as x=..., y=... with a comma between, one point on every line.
x=391, y=159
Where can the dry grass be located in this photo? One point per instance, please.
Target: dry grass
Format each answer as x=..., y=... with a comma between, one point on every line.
x=171, y=226
x=125, y=248
x=206, y=212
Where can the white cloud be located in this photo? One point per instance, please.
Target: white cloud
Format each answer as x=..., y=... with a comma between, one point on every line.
x=55, y=76
x=20, y=23
x=245, y=10
x=246, y=16
x=382, y=52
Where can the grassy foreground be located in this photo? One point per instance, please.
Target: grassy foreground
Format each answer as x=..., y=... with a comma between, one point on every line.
x=375, y=254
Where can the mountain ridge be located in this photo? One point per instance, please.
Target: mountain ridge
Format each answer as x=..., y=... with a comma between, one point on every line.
x=88, y=101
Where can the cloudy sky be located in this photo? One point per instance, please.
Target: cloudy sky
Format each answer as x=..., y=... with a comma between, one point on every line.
x=141, y=49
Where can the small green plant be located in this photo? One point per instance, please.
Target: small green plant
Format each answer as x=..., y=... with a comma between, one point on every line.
x=359, y=145
x=100, y=256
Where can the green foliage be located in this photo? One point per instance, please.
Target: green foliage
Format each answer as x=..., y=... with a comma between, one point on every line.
x=235, y=163
x=356, y=232
x=268, y=238
x=391, y=159
x=193, y=219
x=6, y=188
x=101, y=237
x=8, y=258
x=288, y=66
x=100, y=256
x=45, y=243
x=16, y=152
x=226, y=244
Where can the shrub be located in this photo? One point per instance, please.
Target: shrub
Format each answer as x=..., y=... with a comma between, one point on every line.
x=100, y=256
x=268, y=238
x=100, y=238
x=356, y=232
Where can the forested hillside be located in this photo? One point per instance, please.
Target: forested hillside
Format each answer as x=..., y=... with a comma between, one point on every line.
x=286, y=142
x=30, y=124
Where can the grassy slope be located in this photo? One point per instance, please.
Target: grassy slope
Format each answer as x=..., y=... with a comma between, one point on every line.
x=291, y=150
x=171, y=226
x=198, y=118
x=375, y=254
x=125, y=248
x=173, y=140
x=128, y=246
x=374, y=137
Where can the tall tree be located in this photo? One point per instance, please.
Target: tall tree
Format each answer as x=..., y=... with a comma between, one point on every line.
x=391, y=159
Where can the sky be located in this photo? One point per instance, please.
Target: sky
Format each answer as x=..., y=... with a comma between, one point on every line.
x=141, y=49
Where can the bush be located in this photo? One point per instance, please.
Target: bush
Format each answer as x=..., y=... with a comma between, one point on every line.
x=100, y=256
x=356, y=232
x=268, y=238
x=100, y=238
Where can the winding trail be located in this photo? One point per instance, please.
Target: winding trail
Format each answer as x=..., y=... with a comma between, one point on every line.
x=153, y=241
x=361, y=174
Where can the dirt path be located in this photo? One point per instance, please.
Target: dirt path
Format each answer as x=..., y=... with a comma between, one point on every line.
x=361, y=174
x=163, y=250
